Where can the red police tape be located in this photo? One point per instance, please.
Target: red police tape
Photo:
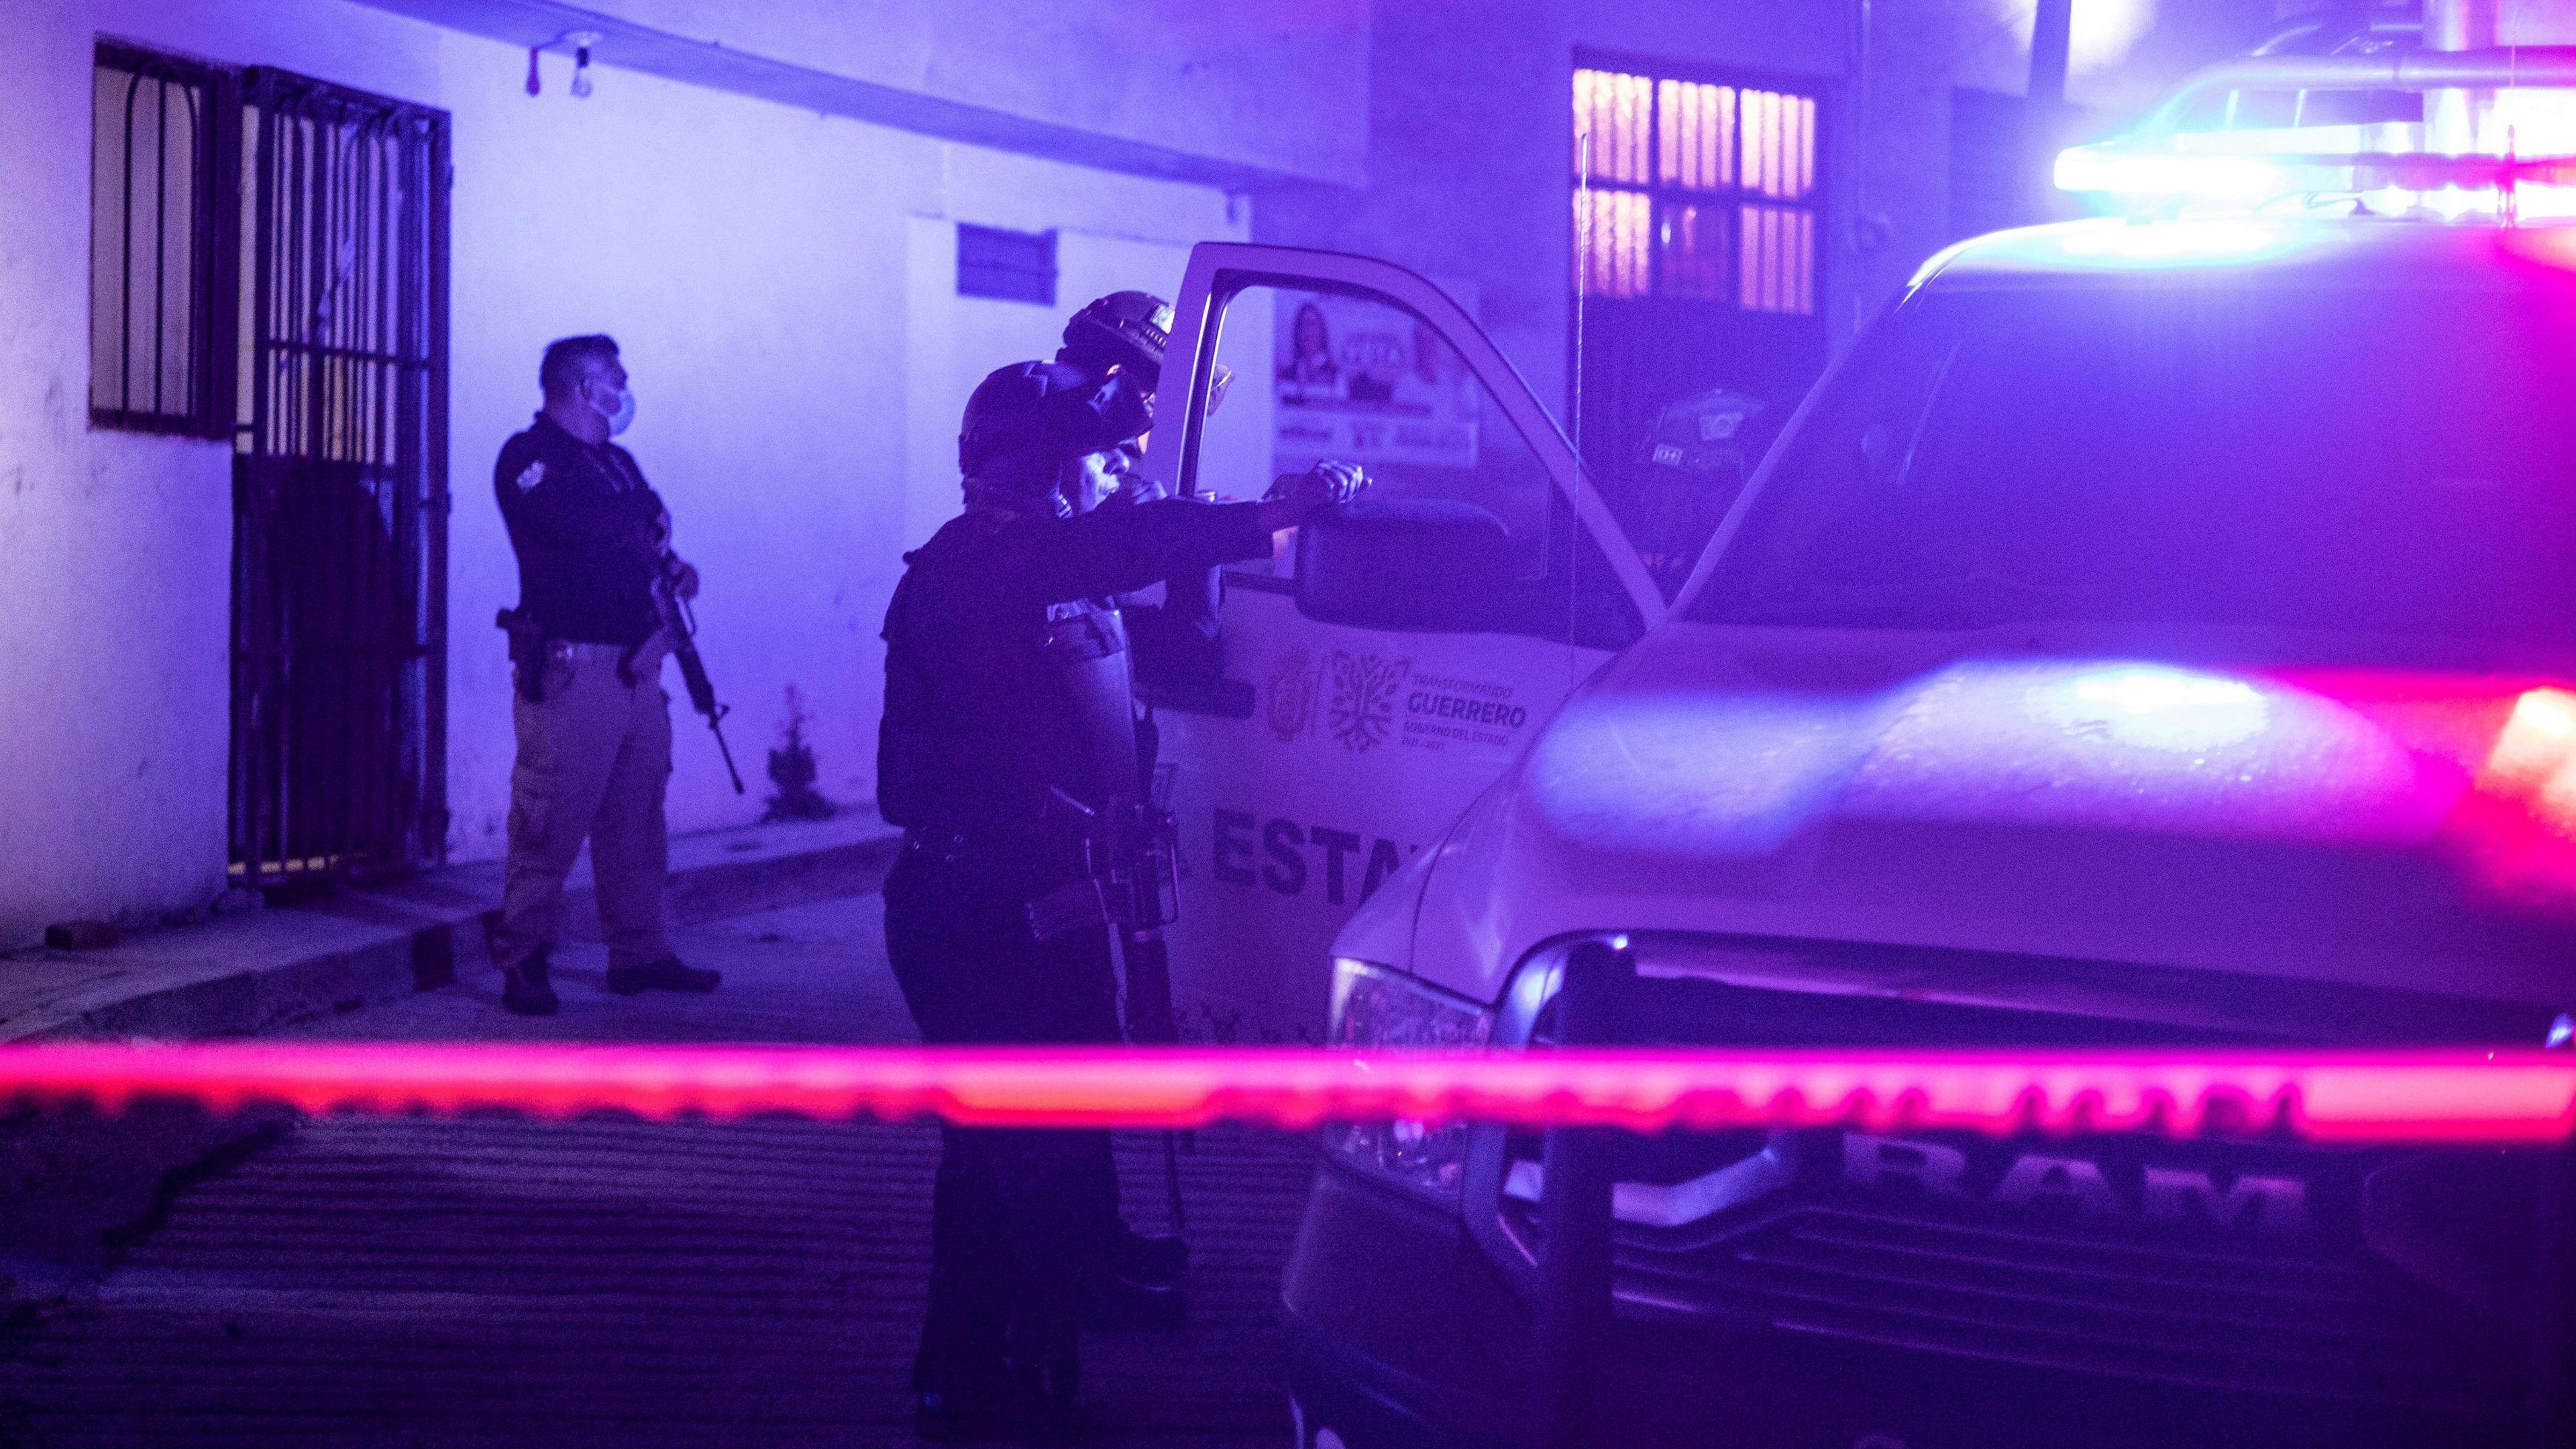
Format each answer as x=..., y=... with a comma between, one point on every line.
x=2453, y=1096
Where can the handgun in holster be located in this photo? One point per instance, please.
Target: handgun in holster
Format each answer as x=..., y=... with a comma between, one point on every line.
x=530, y=652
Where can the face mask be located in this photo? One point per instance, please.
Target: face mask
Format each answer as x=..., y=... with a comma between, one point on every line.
x=1092, y=479
x=1133, y=486
x=620, y=416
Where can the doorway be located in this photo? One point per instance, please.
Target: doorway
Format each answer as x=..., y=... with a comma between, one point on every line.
x=339, y=485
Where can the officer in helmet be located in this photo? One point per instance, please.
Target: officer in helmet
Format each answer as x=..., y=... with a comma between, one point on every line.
x=1173, y=639
x=1126, y=331
x=1009, y=723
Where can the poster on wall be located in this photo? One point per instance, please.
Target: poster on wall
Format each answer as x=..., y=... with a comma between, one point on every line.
x=1366, y=383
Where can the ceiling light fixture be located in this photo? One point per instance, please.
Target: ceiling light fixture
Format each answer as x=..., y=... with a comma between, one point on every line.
x=580, y=43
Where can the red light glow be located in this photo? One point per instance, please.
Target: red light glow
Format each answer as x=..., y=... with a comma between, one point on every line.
x=2447, y=1096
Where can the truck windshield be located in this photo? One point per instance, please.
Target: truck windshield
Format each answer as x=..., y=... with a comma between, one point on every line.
x=2184, y=453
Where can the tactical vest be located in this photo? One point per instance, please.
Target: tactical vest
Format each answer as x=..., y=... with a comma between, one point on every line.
x=970, y=745
x=1087, y=649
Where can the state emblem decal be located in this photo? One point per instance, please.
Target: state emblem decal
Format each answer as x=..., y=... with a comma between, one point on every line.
x=1363, y=703
x=1292, y=695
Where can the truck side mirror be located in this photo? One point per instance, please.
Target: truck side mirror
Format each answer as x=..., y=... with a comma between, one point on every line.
x=1424, y=564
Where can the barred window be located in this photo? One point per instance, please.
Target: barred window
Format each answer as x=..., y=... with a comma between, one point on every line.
x=162, y=202
x=1693, y=189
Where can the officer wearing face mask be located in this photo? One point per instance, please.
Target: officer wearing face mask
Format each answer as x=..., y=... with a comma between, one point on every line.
x=1173, y=636
x=1009, y=721
x=593, y=723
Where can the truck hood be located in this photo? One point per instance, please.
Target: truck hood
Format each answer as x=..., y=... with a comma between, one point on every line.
x=2301, y=816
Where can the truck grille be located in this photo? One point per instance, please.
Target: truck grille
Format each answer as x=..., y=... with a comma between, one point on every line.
x=2293, y=1323
x=2231, y=1322
x=2104, y=1288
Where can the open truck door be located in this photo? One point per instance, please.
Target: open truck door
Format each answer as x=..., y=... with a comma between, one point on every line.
x=1386, y=665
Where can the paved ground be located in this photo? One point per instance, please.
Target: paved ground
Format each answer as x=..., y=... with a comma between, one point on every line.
x=248, y=973
x=496, y=1281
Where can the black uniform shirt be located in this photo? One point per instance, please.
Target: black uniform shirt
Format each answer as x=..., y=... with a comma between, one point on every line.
x=579, y=518
x=979, y=727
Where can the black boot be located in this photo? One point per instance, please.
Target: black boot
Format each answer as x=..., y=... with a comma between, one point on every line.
x=1123, y=1305
x=666, y=974
x=968, y=1416
x=524, y=990
x=1050, y=1381
x=1155, y=1262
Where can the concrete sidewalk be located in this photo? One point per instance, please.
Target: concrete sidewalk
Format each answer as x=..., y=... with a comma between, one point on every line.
x=240, y=975
x=75, y=1186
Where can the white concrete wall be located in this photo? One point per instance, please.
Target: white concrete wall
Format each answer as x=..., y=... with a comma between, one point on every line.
x=760, y=266
x=1269, y=85
x=114, y=562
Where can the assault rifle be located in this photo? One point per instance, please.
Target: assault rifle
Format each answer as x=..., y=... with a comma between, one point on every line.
x=1138, y=846
x=1132, y=847
x=681, y=624
x=1132, y=883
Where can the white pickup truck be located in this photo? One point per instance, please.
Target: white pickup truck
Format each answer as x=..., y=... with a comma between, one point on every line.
x=2152, y=632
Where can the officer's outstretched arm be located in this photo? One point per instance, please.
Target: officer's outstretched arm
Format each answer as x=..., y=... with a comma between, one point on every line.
x=1176, y=639
x=1119, y=550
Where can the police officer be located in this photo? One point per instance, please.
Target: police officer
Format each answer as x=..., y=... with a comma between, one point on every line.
x=1173, y=639
x=1009, y=715
x=593, y=724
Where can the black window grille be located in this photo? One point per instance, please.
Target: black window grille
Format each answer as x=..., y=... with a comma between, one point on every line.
x=340, y=485
x=1699, y=258
x=163, y=208
x=1014, y=266
x=1695, y=188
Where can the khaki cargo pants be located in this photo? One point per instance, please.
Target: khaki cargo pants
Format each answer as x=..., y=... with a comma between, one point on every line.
x=594, y=758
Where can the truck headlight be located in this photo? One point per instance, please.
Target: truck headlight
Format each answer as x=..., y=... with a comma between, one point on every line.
x=1379, y=1009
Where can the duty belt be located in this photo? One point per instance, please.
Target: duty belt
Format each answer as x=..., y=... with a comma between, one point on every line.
x=635, y=663
x=1076, y=905
x=533, y=651
x=575, y=649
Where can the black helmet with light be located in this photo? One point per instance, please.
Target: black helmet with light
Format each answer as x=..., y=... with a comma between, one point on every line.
x=1128, y=330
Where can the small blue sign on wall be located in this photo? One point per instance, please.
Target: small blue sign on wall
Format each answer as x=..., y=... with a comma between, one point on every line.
x=1014, y=266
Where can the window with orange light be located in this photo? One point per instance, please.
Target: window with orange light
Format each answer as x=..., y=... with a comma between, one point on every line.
x=1696, y=189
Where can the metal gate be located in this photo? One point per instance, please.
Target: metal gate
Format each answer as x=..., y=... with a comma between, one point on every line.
x=340, y=486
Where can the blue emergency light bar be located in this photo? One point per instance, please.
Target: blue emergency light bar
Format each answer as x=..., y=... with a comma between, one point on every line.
x=2123, y=169
x=2385, y=169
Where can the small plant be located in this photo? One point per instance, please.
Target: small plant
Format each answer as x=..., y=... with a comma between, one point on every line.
x=1226, y=1030
x=793, y=770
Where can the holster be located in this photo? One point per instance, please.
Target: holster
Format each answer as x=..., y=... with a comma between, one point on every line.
x=1132, y=883
x=1069, y=908
x=529, y=648
x=1091, y=887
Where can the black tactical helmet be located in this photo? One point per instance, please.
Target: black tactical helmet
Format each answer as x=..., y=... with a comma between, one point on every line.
x=1126, y=329
x=1025, y=421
